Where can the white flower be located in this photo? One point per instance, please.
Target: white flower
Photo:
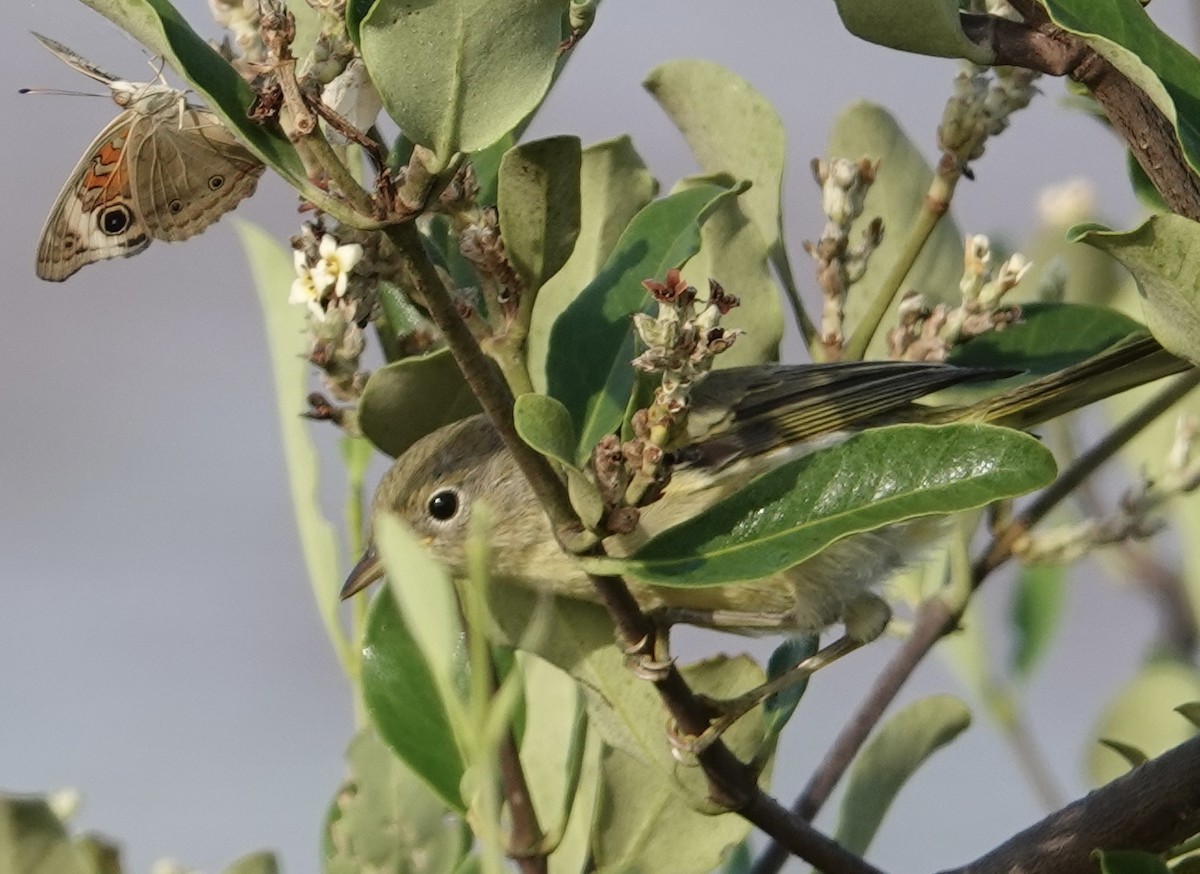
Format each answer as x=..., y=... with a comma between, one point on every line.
x=307, y=288
x=334, y=264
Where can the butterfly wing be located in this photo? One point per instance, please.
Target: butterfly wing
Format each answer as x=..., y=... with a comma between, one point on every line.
x=95, y=216
x=190, y=173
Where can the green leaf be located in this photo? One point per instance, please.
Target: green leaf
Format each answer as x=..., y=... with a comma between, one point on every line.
x=732, y=252
x=553, y=745
x=576, y=636
x=1049, y=337
x=261, y=862
x=875, y=478
x=1190, y=711
x=1163, y=254
x=486, y=163
x=403, y=701
x=1130, y=862
x=778, y=708
x=538, y=198
x=286, y=327
x=659, y=833
x=1132, y=755
x=926, y=27
x=412, y=397
x=731, y=128
x=1140, y=716
x=900, y=747
x=1121, y=32
x=456, y=75
x=897, y=196
x=385, y=818
x=98, y=854
x=592, y=342
x=545, y=425
x=1036, y=613
x=613, y=186
x=158, y=26
x=33, y=841
x=425, y=596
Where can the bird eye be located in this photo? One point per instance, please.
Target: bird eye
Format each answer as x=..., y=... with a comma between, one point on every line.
x=443, y=504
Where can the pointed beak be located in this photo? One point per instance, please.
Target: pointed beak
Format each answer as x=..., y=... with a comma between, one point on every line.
x=368, y=570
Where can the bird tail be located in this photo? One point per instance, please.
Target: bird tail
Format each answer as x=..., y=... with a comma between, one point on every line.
x=1135, y=361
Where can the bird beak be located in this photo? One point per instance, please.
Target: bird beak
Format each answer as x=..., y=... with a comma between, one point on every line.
x=367, y=571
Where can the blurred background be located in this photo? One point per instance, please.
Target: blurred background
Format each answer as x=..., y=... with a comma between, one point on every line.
x=159, y=650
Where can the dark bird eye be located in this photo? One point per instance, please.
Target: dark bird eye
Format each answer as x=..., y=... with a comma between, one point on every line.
x=443, y=504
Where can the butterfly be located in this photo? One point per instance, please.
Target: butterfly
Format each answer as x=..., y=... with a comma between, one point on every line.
x=163, y=169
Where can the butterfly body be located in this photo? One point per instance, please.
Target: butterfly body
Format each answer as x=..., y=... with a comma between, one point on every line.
x=163, y=169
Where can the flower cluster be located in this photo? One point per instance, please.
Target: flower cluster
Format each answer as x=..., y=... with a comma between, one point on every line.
x=844, y=186
x=681, y=343
x=929, y=333
x=980, y=108
x=324, y=271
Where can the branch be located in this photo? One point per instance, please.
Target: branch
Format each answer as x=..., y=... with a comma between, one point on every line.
x=1038, y=44
x=1152, y=808
x=732, y=783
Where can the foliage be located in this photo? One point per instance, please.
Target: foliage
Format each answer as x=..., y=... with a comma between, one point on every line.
x=499, y=719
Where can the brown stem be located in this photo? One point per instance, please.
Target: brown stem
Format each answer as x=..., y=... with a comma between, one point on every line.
x=731, y=782
x=1152, y=808
x=525, y=841
x=1038, y=44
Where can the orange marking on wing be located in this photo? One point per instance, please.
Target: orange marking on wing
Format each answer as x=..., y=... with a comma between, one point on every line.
x=107, y=176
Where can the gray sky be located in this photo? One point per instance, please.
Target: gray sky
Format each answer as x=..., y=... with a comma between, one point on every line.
x=158, y=646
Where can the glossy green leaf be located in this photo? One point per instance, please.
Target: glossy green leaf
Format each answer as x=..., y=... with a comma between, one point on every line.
x=409, y=398
x=1163, y=254
x=545, y=425
x=538, y=198
x=262, y=862
x=926, y=27
x=160, y=28
x=893, y=755
x=385, y=818
x=1049, y=337
x=613, y=186
x=425, y=596
x=1122, y=33
x=897, y=196
x=592, y=341
x=404, y=703
x=1036, y=613
x=33, y=841
x=874, y=478
x=456, y=75
x=272, y=272
x=1141, y=716
x=731, y=128
x=659, y=833
x=1130, y=862
x=778, y=708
